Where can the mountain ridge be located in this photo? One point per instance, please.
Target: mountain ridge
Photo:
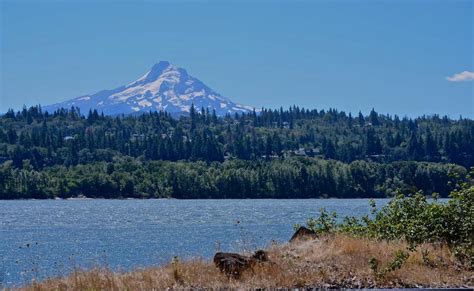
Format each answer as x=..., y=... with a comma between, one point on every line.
x=164, y=87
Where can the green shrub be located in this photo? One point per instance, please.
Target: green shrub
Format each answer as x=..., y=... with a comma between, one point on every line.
x=415, y=219
x=325, y=223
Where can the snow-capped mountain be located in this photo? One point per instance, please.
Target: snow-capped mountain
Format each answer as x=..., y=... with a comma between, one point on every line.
x=165, y=87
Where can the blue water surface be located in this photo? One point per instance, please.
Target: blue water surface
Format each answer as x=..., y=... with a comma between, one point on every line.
x=44, y=238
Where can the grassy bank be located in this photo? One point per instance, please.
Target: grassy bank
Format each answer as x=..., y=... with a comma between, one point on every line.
x=329, y=261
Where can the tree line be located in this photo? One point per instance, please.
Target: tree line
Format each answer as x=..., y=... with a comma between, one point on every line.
x=293, y=153
x=295, y=177
x=66, y=137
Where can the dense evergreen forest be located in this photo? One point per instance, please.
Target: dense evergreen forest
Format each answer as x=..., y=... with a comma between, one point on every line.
x=294, y=153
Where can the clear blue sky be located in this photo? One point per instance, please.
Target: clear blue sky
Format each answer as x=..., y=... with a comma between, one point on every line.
x=391, y=55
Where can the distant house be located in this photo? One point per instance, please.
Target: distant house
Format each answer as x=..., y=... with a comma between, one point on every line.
x=269, y=156
x=316, y=151
x=299, y=152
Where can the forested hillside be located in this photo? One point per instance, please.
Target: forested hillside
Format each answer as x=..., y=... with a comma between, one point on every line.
x=271, y=154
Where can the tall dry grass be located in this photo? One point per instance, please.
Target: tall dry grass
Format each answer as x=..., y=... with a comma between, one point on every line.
x=331, y=261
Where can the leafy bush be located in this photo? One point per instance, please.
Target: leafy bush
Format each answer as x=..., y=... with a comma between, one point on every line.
x=417, y=220
x=325, y=223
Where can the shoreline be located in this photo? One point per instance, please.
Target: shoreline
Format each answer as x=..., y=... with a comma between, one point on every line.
x=204, y=199
x=330, y=261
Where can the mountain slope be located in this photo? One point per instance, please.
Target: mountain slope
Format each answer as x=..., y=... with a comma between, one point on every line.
x=165, y=87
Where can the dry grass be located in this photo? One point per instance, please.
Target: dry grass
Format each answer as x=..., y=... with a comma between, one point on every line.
x=331, y=261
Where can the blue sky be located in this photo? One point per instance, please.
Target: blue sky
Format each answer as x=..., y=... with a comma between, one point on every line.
x=350, y=55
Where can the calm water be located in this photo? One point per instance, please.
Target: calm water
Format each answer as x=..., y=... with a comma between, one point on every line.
x=39, y=239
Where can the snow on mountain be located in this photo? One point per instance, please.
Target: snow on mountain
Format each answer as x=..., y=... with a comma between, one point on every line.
x=165, y=87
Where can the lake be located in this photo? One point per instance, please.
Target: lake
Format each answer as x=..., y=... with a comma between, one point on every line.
x=43, y=238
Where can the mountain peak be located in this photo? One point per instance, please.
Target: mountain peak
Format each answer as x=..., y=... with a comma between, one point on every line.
x=162, y=63
x=159, y=67
x=164, y=87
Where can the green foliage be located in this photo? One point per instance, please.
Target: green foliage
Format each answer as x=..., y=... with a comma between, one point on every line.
x=294, y=153
x=399, y=259
x=374, y=265
x=459, y=217
x=416, y=220
x=324, y=223
x=279, y=178
x=65, y=137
